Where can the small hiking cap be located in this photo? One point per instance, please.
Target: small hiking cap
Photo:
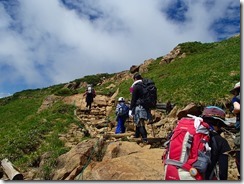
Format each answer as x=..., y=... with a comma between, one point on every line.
x=237, y=85
x=137, y=76
x=121, y=99
x=215, y=113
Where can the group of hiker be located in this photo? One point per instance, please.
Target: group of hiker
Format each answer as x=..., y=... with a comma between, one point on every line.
x=183, y=160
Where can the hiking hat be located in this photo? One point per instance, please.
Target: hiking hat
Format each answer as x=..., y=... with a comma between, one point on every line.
x=215, y=113
x=121, y=99
x=237, y=86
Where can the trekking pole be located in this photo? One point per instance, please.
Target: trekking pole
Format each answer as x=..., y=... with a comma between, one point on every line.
x=153, y=130
x=151, y=123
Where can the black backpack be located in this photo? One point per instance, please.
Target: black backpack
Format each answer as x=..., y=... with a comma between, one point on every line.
x=149, y=100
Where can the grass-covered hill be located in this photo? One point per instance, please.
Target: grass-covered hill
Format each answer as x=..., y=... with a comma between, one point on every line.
x=204, y=76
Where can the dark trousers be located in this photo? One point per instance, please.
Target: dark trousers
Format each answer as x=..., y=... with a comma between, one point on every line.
x=88, y=104
x=141, y=130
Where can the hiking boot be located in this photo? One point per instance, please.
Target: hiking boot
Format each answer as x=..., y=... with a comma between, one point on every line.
x=144, y=141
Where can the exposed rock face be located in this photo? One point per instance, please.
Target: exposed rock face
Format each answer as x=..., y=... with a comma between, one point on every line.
x=48, y=102
x=134, y=69
x=127, y=161
x=70, y=164
x=176, y=52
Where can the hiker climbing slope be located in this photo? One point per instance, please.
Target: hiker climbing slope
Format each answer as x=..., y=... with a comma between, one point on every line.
x=141, y=103
x=122, y=113
x=196, y=150
x=90, y=95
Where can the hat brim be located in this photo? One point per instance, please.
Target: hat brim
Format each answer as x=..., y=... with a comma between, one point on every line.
x=234, y=89
x=225, y=123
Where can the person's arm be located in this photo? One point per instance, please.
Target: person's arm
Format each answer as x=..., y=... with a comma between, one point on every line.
x=117, y=109
x=237, y=107
x=223, y=166
x=134, y=97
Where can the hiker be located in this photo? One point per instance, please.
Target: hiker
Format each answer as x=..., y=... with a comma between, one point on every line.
x=122, y=113
x=195, y=148
x=90, y=95
x=137, y=111
x=220, y=147
x=236, y=105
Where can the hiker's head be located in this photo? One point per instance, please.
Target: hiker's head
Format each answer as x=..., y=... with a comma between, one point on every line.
x=137, y=76
x=121, y=99
x=214, y=116
x=236, y=89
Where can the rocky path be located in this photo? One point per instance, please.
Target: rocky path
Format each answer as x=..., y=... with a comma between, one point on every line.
x=109, y=156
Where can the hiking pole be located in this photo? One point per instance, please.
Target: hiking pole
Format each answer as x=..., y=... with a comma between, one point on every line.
x=151, y=123
x=153, y=130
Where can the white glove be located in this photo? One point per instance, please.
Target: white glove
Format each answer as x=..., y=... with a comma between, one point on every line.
x=130, y=113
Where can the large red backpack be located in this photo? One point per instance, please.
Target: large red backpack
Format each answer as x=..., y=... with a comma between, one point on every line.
x=188, y=149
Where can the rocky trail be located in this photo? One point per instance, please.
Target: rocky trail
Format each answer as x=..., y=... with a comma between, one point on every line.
x=109, y=156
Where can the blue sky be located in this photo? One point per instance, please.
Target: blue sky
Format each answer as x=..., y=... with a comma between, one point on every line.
x=47, y=42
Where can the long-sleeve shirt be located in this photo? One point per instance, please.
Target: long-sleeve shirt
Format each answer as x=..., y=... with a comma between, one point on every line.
x=136, y=94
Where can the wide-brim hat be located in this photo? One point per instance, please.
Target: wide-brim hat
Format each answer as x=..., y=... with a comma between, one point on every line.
x=191, y=108
x=216, y=113
x=237, y=85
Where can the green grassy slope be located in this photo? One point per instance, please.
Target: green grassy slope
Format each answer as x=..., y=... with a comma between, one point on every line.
x=205, y=76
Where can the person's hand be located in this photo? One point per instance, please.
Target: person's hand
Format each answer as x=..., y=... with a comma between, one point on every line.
x=130, y=113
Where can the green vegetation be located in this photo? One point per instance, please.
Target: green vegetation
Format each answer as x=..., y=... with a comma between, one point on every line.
x=204, y=76
x=94, y=79
x=26, y=134
x=66, y=92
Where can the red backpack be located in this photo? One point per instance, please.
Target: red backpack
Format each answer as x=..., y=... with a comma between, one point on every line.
x=187, y=149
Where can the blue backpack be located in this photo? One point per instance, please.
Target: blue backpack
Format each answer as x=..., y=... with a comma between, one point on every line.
x=123, y=110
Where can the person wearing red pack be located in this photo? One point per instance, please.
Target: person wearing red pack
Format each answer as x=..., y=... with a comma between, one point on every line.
x=218, y=168
x=185, y=160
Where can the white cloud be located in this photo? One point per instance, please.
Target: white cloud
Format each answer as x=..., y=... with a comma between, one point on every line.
x=50, y=43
